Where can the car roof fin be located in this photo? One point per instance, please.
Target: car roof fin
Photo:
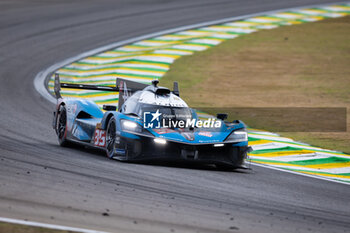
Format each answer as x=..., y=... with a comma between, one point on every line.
x=176, y=90
x=127, y=88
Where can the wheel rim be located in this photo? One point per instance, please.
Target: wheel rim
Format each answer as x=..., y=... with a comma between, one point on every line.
x=110, y=139
x=62, y=122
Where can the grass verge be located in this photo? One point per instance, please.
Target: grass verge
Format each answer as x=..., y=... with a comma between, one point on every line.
x=303, y=65
x=18, y=228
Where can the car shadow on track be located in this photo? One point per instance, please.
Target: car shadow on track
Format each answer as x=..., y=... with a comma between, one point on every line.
x=188, y=165
x=158, y=162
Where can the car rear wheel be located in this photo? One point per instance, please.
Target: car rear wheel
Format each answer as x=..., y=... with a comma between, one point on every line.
x=61, y=126
x=110, y=138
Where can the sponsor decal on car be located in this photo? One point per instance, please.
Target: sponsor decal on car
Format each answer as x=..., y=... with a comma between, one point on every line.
x=205, y=134
x=164, y=131
x=124, y=89
x=152, y=119
x=71, y=109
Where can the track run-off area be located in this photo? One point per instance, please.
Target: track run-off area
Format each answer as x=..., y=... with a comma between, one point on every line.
x=149, y=59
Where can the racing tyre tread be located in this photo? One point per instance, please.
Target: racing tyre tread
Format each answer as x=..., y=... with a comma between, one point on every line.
x=110, y=137
x=61, y=126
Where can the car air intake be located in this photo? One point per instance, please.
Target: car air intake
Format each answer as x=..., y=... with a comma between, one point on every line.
x=162, y=91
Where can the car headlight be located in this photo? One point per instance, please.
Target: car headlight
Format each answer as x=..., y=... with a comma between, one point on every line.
x=237, y=136
x=130, y=126
x=160, y=141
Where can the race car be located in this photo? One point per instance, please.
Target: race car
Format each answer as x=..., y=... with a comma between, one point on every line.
x=150, y=122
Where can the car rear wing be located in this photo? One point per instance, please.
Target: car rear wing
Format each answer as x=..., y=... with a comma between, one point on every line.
x=125, y=88
x=58, y=85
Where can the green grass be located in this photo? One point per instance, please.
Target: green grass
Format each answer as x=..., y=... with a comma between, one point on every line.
x=305, y=65
x=17, y=228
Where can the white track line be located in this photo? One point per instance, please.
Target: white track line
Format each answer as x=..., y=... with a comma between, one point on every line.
x=298, y=173
x=50, y=226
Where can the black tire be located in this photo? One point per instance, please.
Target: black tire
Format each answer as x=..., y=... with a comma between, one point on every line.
x=110, y=137
x=61, y=126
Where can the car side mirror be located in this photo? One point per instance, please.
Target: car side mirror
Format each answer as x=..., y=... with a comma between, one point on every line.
x=222, y=116
x=109, y=107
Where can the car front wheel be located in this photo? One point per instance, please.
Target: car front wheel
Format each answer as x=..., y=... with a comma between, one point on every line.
x=110, y=137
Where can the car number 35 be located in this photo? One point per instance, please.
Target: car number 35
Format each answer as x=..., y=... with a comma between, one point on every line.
x=100, y=138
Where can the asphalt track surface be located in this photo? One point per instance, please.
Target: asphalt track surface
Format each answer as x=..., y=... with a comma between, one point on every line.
x=41, y=181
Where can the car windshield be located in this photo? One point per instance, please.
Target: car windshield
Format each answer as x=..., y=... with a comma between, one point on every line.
x=167, y=112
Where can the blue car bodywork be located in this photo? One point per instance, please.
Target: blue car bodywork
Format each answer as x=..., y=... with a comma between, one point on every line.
x=123, y=136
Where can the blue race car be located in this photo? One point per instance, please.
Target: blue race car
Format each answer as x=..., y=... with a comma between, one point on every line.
x=152, y=122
